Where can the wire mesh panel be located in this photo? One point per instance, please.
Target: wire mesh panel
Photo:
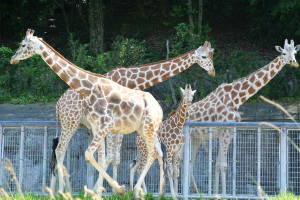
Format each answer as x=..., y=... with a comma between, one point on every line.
x=269, y=169
x=294, y=161
x=33, y=159
x=11, y=151
x=246, y=162
x=246, y=166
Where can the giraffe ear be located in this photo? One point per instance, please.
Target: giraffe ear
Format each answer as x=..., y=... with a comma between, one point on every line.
x=297, y=47
x=278, y=48
x=194, y=91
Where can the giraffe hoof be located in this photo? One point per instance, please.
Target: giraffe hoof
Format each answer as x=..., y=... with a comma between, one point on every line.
x=122, y=190
x=137, y=193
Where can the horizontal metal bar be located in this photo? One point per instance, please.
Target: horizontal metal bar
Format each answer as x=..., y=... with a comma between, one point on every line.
x=205, y=196
x=28, y=123
x=203, y=124
x=240, y=124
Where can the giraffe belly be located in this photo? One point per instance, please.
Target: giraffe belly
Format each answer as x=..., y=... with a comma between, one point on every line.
x=125, y=126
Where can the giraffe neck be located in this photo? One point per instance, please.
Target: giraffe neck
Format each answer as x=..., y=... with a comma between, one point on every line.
x=246, y=87
x=77, y=78
x=145, y=76
x=177, y=119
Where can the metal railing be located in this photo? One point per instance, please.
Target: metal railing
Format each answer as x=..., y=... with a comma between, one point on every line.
x=259, y=156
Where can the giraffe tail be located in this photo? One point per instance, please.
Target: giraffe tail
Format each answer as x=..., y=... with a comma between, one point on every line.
x=53, y=159
x=55, y=141
x=165, y=160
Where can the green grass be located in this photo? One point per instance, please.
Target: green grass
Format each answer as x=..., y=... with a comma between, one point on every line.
x=128, y=196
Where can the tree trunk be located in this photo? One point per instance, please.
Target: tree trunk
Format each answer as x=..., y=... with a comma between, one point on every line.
x=200, y=13
x=170, y=81
x=96, y=20
x=191, y=21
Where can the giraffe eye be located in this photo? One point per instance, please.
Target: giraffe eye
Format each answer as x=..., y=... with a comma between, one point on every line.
x=203, y=57
x=284, y=54
x=23, y=45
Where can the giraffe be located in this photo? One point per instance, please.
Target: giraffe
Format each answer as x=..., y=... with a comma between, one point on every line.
x=71, y=110
x=222, y=105
x=170, y=133
x=111, y=107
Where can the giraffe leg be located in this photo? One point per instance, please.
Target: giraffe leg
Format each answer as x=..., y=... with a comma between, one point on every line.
x=102, y=163
x=161, y=179
x=61, y=151
x=196, y=141
x=151, y=156
x=108, y=159
x=133, y=167
x=117, y=158
x=99, y=136
x=176, y=164
x=221, y=165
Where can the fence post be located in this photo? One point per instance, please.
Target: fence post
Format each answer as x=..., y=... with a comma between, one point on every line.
x=258, y=159
x=186, y=162
x=45, y=160
x=210, y=162
x=68, y=167
x=234, y=163
x=1, y=153
x=283, y=159
x=90, y=168
x=21, y=156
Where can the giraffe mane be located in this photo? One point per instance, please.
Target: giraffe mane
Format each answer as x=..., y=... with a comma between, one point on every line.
x=172, y=113
x=256, y=71
x=162, y=61
x=85, y=71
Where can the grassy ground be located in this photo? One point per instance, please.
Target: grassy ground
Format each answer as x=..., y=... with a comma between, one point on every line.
x=128, y=196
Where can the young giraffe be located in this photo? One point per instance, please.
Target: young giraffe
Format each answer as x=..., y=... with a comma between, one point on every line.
x=223, y=103
x=70, y=107
x=170, y=133
x=111, y=107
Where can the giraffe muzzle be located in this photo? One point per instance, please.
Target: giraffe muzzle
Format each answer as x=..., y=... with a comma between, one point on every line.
x=212, y=73
x=294, y=64
x=14, y=61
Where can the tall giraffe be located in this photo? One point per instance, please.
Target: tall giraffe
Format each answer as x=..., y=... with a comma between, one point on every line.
x=70, y=107
x=170, y=134
x=223, y=103
x=111, y=107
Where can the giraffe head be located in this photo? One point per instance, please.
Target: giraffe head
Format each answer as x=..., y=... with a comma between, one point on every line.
x=204, y=57
x=188, y=94
x=28, y=47
x=288, y=53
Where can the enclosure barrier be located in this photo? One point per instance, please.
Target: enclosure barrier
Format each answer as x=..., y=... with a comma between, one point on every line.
x=259, y=156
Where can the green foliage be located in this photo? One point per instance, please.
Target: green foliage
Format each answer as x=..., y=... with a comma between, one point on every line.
x=124, y=52
x=185, y=41
x=28, y=81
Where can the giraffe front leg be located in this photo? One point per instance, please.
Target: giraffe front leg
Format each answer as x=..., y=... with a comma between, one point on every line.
x=103, y=160
x=221, y=164
x=98, y=138
x=60, y=155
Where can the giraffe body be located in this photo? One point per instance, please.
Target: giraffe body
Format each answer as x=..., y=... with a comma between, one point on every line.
x=111, y=107
x=71, y=105
x=222, y=105
x=170, y=133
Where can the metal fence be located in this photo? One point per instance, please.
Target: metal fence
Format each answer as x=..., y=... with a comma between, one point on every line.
x=259, y=156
